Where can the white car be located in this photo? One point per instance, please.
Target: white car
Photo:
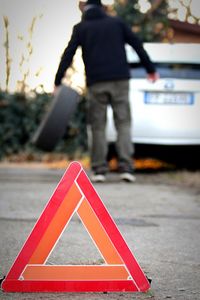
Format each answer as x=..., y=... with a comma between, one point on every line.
x=166, y=112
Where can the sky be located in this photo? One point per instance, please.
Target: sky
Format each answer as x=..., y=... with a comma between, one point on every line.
x=53, y=28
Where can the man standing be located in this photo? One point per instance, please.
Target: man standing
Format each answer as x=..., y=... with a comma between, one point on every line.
x=103, y=39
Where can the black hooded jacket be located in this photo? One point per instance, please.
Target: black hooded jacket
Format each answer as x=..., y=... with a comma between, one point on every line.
x=102, y=39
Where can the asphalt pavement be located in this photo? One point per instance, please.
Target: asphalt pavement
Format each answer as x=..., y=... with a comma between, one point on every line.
x=159, y=220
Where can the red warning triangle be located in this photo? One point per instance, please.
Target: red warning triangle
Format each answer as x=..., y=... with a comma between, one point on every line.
x=75, y=193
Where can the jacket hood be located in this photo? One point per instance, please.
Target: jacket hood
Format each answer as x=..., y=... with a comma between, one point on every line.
x=94, y=2
x=94, y=12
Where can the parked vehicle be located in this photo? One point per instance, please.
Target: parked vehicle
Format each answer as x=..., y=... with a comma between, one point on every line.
x=166, y=112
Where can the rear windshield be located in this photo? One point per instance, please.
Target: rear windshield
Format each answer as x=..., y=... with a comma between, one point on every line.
x=168, y=70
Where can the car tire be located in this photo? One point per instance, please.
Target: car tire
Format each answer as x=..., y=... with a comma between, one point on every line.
x=54, y=124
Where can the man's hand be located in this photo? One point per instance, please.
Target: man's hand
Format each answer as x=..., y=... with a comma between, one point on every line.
x=153, y=77
x=55, y=90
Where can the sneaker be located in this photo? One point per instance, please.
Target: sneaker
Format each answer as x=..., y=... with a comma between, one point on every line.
x=98, y=178
x=128, y=177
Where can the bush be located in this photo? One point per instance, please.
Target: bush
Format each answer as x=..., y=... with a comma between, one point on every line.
x=20, y=116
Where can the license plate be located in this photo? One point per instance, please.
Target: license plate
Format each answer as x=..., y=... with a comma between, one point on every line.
x=169, y=98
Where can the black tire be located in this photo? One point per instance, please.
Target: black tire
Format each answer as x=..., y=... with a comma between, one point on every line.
x=55, y=121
